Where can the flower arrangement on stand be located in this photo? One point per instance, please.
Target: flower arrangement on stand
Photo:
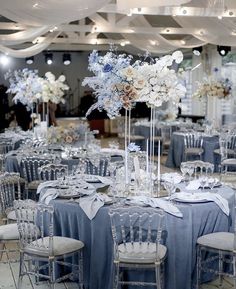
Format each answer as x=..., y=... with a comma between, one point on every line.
x=213, y=90
x=31, y=90
x=25, y=85
x=119, y=83
x=210, y=87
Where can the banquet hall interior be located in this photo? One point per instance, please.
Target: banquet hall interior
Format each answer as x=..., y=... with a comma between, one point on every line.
x=117, y=144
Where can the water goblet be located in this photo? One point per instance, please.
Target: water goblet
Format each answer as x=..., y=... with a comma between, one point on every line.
x=203, y=182
x=184, y=169
x=211, y=183
x=170, y=188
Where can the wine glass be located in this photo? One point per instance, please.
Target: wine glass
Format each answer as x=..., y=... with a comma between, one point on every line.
x=203, y=182
x=170, y=188
x=184, y=169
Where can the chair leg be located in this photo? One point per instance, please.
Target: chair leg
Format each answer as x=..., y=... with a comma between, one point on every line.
x=1, y=250
x=116, y=275
x=21, y=271
x=81, y=273
x=158, y=276
x=234, y=270
x=220, y=269
x=51, y=269
x=198, y=283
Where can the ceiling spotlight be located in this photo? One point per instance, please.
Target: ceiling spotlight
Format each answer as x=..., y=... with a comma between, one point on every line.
x=197, y=50
x=29, y=60
x=66, y=58
x=4, y=60
x=49, y=58
x=223, y=50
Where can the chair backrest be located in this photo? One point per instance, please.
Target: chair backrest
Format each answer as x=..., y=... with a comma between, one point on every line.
x=10, y=190
x=30, y=165
x=6, y=146
x=193, y=140
x=50, y=172
x=97, y=165
x=199, y=166
x=231, y=142
x=34, y=222
x=136, y=224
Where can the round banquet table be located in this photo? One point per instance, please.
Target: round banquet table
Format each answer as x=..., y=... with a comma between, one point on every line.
x=176, y=150
x=180, y=238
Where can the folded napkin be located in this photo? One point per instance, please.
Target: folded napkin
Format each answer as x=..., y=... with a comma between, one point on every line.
x=104, y=180
x=45, y=185
x=91, y=204
x=172, y=178
x=49, y=195
x=194, y=185
x=156, y=203
x=113, y=151
x=221, y=202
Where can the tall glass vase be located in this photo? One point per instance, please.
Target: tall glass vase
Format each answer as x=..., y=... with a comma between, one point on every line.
x=127, y=142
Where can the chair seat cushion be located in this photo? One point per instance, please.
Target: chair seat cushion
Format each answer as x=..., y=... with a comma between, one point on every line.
x=61, y=246
x=230, y=162
x=194, y=151
x=229, y=152
x=220, y=241
x=144, y=253
x=9, y=232
x=34, y=184
x=11, y=215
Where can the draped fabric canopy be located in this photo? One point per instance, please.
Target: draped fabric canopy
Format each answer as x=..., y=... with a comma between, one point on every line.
x=158, y=30
x=49, y=12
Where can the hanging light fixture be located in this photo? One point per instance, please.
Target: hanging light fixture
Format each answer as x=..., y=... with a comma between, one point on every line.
x=49, y=58
x=223, y=50
x=127, y=5
x=66, y=58
x=29, y=60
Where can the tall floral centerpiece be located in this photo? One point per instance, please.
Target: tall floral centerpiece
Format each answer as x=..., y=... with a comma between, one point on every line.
x=119, y=82
x=213, y=91
x=25, y=85
x=52, y=92
x=31, y=90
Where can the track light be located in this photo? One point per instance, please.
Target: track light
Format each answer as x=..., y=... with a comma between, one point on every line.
x=197, y=50
x=223, y=50
x=49, y=58
x=29, y=60
x=66, y=58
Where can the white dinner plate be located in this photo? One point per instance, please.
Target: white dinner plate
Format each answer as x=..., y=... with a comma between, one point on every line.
x=190, y=198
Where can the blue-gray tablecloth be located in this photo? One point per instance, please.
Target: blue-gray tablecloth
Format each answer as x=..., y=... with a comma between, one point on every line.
x=176, y=150
x=181, y=235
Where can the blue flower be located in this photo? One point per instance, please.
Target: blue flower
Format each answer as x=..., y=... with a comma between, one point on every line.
x=132, y=147
x=107, y=68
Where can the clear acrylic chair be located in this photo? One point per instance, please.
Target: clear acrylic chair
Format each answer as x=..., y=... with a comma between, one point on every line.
x=216, y=255
x=193, y=145
x=29, y=167
x=40, y=253
x=137, y=234
x=5, y=147
x=97, y=165
x=50, y=172
x=12, y=187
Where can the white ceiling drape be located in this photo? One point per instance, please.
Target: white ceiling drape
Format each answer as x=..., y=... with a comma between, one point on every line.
x=23, y=36
x=49, y=12
x=32, y=50
x=41, y=16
